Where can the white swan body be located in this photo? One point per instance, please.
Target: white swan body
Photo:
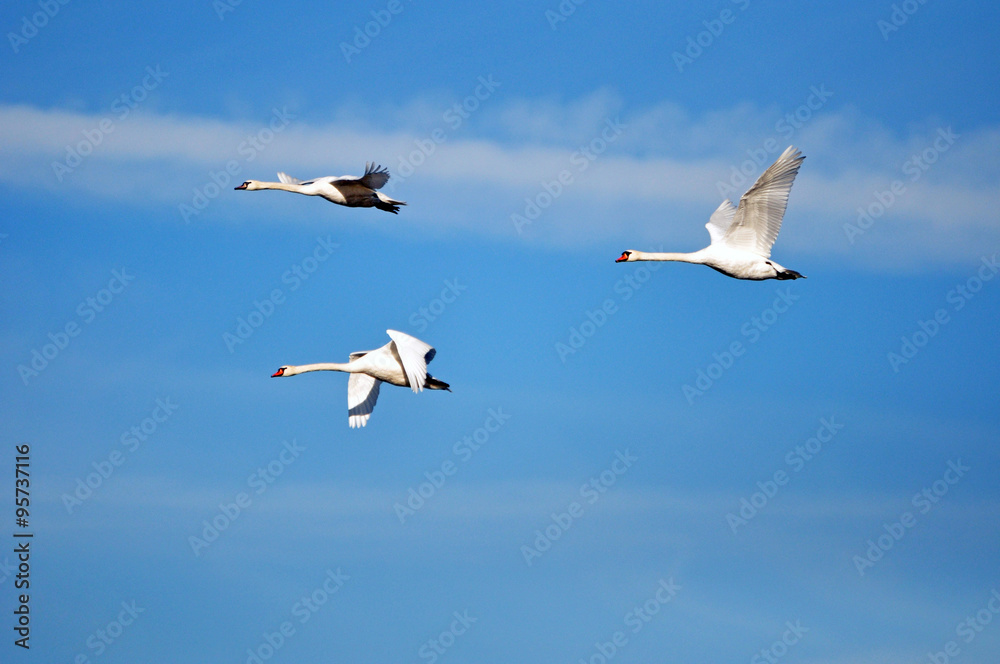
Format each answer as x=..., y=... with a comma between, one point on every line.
x=742, y=237
x=345, y=190
x=403, y=362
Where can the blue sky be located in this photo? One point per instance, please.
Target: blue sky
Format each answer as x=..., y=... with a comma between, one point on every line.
x=720, y=470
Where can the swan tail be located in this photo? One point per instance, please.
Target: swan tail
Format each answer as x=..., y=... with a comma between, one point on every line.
x=789, y=274
x=435, y=384
x=383, y=202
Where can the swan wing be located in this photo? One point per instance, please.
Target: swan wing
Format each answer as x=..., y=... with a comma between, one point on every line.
x=414, y=355
x=721, y=220
x=362, y=393
x=375, y=177
x=329, y=179
x=758, y=218
x=288, y=179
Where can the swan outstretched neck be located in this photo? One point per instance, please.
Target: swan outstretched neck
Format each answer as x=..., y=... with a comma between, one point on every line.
x=633, y=255
x=292, y=370
x=742, y=236
x=254, y=185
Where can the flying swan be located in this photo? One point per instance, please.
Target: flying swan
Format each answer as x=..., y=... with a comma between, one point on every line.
x=742, y=237
x=403, y=362
x=344, y=190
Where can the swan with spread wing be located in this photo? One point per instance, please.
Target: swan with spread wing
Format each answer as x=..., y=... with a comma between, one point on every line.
x=403, y=362
x=742, y=236
x=348, y=190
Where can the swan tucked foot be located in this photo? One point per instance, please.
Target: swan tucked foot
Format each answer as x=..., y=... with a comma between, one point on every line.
x=388, y=207
x=435, y=384
x=789, y=274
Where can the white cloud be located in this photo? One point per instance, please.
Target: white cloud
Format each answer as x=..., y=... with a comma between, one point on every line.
x=657, y=182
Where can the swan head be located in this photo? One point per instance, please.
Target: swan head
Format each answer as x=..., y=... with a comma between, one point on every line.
x=249, y=185
x=625, y=257
x=284, y=371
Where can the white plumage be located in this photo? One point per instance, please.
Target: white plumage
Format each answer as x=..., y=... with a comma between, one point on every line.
x=742, y=237
x=403, y=362
x=346, y=190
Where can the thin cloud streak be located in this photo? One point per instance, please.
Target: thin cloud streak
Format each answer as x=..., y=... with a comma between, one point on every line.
x=944, y=214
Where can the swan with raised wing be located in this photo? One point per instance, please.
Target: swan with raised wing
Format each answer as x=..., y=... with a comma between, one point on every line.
x=742, y=236
x=346, y=190
x=403, y=362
